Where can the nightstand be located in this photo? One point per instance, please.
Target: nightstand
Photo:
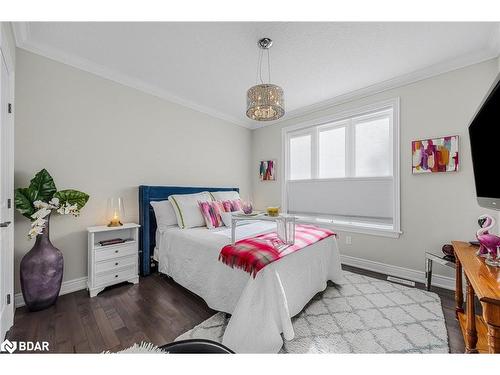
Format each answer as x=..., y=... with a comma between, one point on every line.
x=112, y=264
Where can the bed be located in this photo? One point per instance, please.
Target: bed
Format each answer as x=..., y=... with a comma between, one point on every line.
x=261, y=308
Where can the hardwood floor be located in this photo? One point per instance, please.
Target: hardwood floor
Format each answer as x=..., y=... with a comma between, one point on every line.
x=156, y=310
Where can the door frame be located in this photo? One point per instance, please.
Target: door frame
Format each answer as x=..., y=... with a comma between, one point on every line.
x=7, y=53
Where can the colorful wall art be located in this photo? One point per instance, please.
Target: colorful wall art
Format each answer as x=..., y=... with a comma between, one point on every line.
x=435, y=155
x=267, y=170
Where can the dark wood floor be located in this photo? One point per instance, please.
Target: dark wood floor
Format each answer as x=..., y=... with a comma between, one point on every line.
x=156, y=310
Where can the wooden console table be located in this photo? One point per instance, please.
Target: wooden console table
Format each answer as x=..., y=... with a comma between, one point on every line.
x=481, y=333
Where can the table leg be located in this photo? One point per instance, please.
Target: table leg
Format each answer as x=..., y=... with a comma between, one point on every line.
x=459, y=295
x=493, y=339
x=233, y=230
x=428, y=273
x=471, y=333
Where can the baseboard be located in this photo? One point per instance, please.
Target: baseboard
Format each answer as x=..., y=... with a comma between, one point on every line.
x=387, y=269
x=68, y=286
x=405, y=273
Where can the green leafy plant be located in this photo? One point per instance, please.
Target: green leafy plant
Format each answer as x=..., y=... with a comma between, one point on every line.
x=37, y=201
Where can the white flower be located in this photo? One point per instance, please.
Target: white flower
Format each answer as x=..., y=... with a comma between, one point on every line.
x=34, y=231
x=68, y=209
x=39, y=222
x=41, y=213
x=54, y=202
x=40, y=204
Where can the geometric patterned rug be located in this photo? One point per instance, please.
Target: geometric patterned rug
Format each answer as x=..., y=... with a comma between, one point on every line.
x=360, y=315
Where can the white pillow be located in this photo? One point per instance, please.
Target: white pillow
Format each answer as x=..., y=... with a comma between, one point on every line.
x=225, y=195
x=226, y=218
x=164, y=212
x=187, y=210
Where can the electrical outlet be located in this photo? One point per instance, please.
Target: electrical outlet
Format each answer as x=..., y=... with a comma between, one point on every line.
x=348, y=240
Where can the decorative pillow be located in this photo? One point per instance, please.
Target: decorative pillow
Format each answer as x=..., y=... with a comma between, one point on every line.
x=226, y=218
x=225, y=195
x=164, y=213
x=231, y=206
x=236, y=205
x=211, y=212
x=187, y=210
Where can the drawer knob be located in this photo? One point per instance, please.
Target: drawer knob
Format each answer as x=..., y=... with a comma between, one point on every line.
x=116, y=251
x=116, y=263
x=116, y=275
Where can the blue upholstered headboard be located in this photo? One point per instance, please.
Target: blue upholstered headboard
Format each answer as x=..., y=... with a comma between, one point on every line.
x=147, y=217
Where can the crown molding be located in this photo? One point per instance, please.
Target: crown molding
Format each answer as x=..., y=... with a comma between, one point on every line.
x=21, y=32
x=22, y=38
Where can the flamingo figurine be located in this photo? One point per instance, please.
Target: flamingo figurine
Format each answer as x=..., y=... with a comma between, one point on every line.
x=488, y=242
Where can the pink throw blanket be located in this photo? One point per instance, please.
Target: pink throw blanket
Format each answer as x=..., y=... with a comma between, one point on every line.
x=253, y=254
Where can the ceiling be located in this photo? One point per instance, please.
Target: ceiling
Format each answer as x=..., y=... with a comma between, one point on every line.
x=209, y=66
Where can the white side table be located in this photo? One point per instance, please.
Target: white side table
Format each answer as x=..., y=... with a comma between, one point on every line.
x=112, y=264
x=285, y=225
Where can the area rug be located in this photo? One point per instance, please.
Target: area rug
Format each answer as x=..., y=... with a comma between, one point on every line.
x=360, y=315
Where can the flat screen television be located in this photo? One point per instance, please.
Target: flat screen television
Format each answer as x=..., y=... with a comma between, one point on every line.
x=484, y=134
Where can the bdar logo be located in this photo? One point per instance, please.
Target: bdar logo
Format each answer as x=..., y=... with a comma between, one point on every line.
x=8, y=346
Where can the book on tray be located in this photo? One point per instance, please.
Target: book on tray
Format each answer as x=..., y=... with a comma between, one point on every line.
x=112, y=241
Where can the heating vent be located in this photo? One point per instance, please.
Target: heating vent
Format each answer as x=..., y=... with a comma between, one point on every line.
x=400, y=281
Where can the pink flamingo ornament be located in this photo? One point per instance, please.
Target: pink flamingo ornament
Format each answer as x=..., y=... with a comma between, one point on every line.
x=488, y=243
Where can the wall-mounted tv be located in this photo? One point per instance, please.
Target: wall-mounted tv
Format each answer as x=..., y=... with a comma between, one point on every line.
x=484, y=133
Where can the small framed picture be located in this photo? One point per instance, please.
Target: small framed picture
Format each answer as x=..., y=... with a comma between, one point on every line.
x=267, y=170
x=435, y=155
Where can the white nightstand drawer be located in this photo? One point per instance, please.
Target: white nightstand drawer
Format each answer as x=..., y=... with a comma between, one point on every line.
x=113, y=277
x=115, y=252
x=115, y=264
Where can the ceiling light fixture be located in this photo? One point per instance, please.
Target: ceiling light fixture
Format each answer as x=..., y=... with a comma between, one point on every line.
x=265, y=101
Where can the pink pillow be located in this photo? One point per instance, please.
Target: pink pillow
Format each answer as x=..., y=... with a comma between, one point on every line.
x=231, y=206
x=211, y=213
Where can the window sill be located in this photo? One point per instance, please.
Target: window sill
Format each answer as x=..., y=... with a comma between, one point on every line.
x=362, y=228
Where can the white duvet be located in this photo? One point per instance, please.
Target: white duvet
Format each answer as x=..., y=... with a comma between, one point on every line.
x=261, y=308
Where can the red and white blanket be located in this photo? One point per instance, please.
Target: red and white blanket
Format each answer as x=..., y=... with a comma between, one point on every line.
x=253, y=254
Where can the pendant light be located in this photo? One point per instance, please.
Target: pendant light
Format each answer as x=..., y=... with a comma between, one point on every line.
x=265, y=101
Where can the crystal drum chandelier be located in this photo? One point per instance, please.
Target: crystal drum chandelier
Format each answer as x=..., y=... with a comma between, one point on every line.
x=265, y=101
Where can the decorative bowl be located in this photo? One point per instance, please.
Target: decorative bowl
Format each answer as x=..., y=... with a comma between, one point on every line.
x=247, y=208
x=273, y=211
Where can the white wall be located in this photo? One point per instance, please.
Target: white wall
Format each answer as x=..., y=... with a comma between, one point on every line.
x=435, y=209
x=106, y=139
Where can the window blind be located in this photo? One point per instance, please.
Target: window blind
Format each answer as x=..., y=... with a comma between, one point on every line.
x=343, y=197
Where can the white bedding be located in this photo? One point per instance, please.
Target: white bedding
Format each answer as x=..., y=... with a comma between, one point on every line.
x=261, y=308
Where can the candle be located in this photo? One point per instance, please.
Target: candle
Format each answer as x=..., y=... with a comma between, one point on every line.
x=115, y=212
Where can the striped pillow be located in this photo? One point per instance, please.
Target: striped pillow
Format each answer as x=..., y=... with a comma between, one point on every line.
x=211, y=213
x=231, y=206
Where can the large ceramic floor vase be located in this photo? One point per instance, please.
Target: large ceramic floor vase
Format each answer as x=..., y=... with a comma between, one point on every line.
x=41, y=273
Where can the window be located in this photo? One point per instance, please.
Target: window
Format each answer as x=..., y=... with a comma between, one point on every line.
x=332, y=152
x=300, y=157
x=373, y=147
x=345, y=169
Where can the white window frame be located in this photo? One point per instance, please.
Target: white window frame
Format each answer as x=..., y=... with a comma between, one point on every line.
x=332, y=121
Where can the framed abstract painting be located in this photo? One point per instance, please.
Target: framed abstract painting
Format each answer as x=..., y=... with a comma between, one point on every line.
x=435, y=155
x=267, y=170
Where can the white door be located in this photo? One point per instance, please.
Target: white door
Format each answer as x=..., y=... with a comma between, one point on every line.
x=6, y=202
